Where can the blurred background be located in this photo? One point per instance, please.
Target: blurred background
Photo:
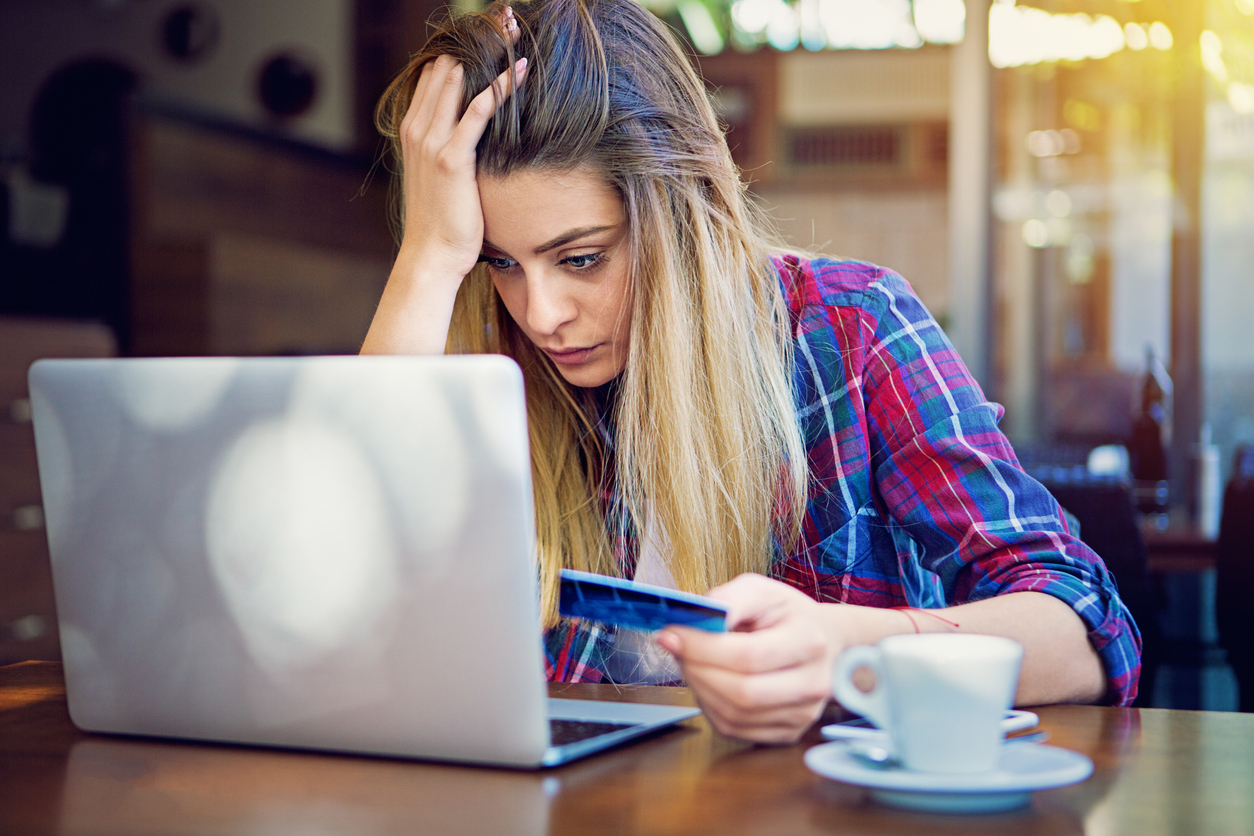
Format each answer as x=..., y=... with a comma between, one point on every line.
x=1068, y=184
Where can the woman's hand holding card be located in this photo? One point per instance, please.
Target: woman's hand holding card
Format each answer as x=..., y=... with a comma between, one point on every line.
x=769, y=678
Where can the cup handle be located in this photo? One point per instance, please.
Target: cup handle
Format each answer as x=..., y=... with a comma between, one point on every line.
x=872, y=705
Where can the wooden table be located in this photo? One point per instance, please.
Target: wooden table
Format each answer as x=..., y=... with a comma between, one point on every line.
x=1158, y=772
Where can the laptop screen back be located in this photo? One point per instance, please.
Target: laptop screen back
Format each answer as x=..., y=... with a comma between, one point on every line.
x=330, y=552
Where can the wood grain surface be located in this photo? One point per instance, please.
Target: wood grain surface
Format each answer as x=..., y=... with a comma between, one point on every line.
x=1157, y=772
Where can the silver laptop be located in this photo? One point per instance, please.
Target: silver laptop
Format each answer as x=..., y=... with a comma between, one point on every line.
x=333, y=553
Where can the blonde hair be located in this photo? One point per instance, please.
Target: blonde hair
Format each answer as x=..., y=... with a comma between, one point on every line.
x=706, y=444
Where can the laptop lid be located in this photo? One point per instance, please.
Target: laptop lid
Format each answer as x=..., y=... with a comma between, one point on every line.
x=328, y=552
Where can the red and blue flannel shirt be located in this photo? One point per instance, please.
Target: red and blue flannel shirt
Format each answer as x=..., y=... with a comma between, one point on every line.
x=916, y=497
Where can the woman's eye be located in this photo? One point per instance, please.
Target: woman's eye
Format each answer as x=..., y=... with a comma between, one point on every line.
x=584, y=261
x=501, y=264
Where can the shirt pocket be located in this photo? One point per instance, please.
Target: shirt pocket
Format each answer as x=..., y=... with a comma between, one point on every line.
x=838, y=567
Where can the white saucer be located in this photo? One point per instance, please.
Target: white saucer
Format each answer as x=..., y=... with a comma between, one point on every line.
x=1015, y=720
x=1023, y=767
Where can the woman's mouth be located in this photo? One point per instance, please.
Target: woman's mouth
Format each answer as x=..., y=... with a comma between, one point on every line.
x=569, y=356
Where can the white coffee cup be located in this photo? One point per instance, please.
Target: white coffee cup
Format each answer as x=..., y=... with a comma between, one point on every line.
x=940, y=696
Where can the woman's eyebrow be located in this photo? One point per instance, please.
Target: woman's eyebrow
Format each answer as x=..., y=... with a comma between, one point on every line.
x=561, y=240
x=572, y=235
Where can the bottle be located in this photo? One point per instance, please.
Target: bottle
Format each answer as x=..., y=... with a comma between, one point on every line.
x=1151, y=436
x=1208, y=490
x=1156, y=394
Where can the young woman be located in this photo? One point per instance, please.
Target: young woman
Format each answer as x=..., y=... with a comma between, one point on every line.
x=794, y=436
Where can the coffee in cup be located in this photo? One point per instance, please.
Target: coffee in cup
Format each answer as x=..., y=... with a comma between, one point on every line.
x=940, y=697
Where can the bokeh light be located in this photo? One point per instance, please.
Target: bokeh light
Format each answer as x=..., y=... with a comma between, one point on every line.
x=1035, y=233
x=1160, y=36
x=1136, y=37
x=1241, y=97
x=846, y=24
x=700, y=25
x=168, y=397
x=299, y=541
x=940, y=21
x=1021, y=35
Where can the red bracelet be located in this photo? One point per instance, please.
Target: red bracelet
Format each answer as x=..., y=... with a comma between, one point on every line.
x=905, y=611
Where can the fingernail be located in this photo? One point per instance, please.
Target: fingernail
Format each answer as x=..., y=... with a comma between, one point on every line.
x=520, y=65
x=669, y=641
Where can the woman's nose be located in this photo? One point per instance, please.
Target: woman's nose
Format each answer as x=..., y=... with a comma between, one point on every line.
x=549, y=306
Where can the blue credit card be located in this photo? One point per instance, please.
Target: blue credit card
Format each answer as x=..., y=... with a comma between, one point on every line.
x=636, y=606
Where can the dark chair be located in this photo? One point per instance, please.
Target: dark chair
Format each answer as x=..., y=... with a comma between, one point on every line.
x=1107, y=514
x=1234, y=557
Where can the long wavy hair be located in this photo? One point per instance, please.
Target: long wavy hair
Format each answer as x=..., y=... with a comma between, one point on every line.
x=705, y=450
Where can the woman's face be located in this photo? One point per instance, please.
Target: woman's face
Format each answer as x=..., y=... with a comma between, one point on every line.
x=556, y=249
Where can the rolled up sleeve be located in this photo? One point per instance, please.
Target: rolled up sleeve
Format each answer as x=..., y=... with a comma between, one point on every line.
x=949, y=477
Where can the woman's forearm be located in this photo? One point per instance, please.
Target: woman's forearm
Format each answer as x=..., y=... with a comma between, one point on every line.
x=443, y=215
x=414, y=312
x=1059, y=663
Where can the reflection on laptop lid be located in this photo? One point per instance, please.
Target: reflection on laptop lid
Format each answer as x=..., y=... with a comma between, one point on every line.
x=334, y=553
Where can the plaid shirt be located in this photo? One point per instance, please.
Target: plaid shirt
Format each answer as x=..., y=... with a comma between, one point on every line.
x=916, y=497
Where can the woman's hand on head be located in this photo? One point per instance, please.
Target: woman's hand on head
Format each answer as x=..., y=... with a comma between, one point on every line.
x=443, y=230
x=769, y=678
